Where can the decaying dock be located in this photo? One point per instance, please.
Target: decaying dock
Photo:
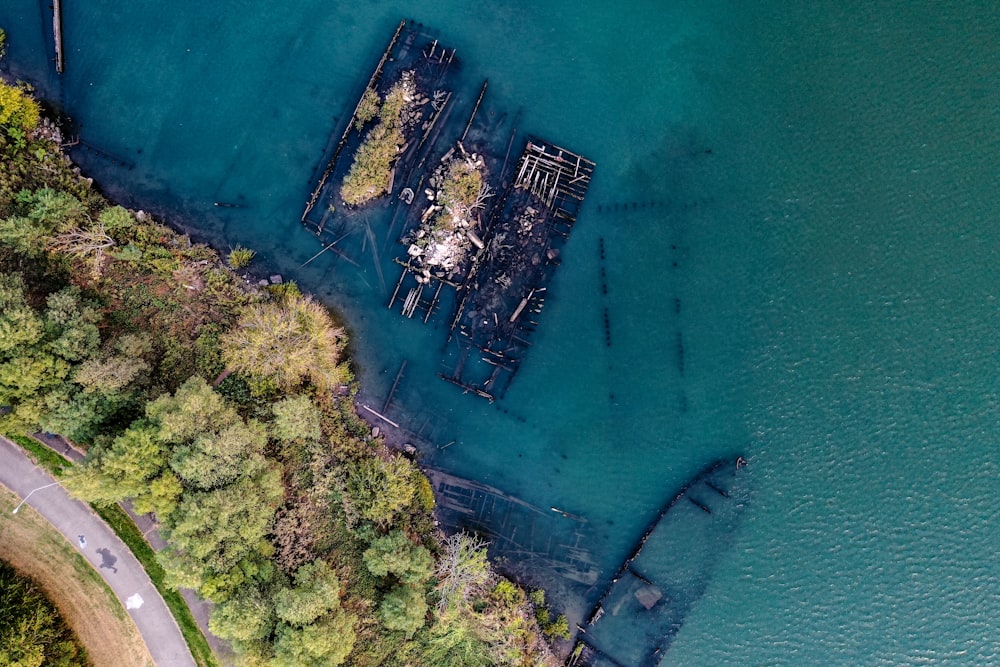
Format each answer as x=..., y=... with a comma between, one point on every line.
x=412, y=52
x=507, y=285
x=502, y=280
x=482, y=235
x=543, y=541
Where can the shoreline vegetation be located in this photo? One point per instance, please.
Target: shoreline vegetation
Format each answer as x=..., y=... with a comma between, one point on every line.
x=226, y=409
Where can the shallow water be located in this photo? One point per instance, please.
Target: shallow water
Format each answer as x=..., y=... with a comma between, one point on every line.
x=834, y=251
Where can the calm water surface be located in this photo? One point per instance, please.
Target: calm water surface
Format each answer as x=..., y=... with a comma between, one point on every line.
x=826, y=183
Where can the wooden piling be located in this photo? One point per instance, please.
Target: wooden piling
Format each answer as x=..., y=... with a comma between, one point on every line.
x=475, y=109
x=380, y=416
x=395, y=383
x=57, y=33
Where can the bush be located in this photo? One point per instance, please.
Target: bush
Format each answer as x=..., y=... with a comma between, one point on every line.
x=368, y=108
x=240, y=257
x=403, y=609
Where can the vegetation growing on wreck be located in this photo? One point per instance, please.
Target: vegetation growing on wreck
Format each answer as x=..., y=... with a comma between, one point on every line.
x=447, y=231
x=371, y=170
x=314, y=541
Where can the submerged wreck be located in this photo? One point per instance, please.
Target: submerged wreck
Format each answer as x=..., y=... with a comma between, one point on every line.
x=480, y=234
x=645, y=603
x=497, y=252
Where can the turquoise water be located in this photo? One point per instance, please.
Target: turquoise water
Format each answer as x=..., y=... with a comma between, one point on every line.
x=835, y=252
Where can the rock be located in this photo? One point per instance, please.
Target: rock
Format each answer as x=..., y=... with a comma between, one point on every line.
x=414, y=251
x=376, y=432
x=648, y=596
x=409, y=449
x=263, y=283
x=276, y=279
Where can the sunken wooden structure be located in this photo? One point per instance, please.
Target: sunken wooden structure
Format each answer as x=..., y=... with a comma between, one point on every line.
x=501, y=286
x=646, y=601
x=411, y=52
x=539, y=540
x=482, y=230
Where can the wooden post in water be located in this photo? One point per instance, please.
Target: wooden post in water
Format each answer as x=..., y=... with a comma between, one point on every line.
x=474, y=110
x=57, y=34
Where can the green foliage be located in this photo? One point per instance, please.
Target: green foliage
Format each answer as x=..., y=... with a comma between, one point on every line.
x=37, y=353
x=32, y=633
x=20, y=326
x=118, y=222
x=213, y=533
x=296, y=419
x=506, y=592
x=247, y=616
x=324, y=644
x=380, y=489
x=211, y=444
x=454, y=643
x=396, y=554
x=287, y=341
x=368, y=108
x=461, y=187
x=240, y=257
x=316, y=591
x=17, y=110
x=553, y=628
x=404, y=609
x=371, y=170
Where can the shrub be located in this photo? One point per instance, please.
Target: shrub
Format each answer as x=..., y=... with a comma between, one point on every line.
x=240, y=257
x=368, y=108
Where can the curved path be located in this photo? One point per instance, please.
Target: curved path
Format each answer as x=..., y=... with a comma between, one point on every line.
x=102, y=548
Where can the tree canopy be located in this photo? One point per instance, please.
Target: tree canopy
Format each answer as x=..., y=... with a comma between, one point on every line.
x=287, y=342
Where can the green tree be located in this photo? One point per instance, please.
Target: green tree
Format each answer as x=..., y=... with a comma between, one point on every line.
x=247, y=616
x=316, y=591
x=296, y=419
x=17, y=109
x=108, y=375
x=326, y=643
x=20, y=325
x=38, y=352
x=211, y=444
x=453, y=642
x=395, y=553
x=287, y=342
x=380, y=489
x=403, y=608
x=213, y=533
x=32, y=633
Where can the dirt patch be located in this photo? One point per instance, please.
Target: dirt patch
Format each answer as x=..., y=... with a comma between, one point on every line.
x=90, y=608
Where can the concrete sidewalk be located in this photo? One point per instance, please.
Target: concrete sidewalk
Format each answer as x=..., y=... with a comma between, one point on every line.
x=102, y=548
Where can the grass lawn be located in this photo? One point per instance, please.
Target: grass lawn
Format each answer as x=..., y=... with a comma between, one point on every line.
x=130, y=534
x=90, y=608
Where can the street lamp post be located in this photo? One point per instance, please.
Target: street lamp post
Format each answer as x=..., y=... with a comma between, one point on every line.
x=29, y=495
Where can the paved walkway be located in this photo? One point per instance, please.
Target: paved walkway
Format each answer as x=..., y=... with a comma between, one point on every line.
x=102, y=548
